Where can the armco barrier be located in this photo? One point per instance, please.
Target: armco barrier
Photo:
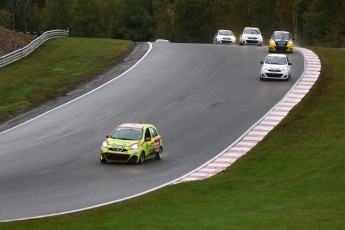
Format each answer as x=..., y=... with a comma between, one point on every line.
x=20, y=53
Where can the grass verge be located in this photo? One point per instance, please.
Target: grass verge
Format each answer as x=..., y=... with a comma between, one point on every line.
x=294, y=179
x=57, y=67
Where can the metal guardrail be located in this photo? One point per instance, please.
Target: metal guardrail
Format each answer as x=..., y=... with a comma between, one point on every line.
x=20, y=53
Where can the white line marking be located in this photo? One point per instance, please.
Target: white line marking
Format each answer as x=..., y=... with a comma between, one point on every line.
x=75, y=99
x=230, y=151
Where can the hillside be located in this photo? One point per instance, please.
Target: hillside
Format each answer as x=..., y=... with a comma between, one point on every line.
x=11, y=41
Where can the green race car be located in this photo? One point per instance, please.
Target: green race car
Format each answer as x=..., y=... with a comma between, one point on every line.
x=132, y=143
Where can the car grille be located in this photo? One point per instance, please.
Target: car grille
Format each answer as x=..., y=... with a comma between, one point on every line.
x=281, y=48
x=118, y=149
x=117, y=157
x=281, y=43
x=252, y=41
x=277, y=75
x=274, y=70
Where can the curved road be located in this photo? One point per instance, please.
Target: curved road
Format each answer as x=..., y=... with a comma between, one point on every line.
x=201, y=97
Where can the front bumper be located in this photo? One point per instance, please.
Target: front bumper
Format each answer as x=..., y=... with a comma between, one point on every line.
x=123, y=157
x=284, y=48
x=252, y=42
x=226, y=41
x=274, y=75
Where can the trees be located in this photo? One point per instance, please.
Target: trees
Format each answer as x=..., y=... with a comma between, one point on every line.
x=85, y=18
x=26, y=10
x=11, y=7
x=287, y=15
x=324, y=21
x=134, y=20
x=56, y=15
x=313, y=21
x=5, y=18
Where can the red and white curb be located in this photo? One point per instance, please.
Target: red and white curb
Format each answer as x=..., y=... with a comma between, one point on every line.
x=312, y=68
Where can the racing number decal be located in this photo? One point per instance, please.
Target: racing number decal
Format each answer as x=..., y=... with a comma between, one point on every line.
x=156, y=144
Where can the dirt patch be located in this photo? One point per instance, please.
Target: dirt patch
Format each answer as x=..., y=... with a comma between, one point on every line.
x=11, y=41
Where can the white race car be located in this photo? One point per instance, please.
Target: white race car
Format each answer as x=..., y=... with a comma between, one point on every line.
x=250, y=36
x=276, y=66
x=224, y=36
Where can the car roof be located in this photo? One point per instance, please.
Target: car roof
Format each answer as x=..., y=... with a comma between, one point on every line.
x=162, y=40
x=277, y=55
x=251, y=28
x=134, y=125
x=281, y=31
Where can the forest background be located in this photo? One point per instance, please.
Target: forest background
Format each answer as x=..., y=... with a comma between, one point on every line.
x=311, y=22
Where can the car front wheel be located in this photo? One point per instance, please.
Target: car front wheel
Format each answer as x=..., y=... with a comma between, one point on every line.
x=141, y=158
x=103, y=160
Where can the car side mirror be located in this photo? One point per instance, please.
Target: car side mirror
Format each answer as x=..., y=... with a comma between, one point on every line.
x=148, y=139
x=262, y=62
x=107, y=136
x=290, y=63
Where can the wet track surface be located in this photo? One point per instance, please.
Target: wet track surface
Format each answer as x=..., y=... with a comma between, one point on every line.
x=201, y=97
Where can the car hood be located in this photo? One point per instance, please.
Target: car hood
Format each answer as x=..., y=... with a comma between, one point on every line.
x=281, y=40
x=225, y=36
x=273, y=66
x=253, y=35
x=125, y=143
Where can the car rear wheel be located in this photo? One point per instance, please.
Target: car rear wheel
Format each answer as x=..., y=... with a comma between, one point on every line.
x=159, y=154
x=141, y=158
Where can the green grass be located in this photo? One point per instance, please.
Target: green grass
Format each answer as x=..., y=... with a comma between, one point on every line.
x=56, y=67
x=294, y=179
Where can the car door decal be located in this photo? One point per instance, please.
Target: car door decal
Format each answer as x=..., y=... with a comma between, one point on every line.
x=156, y=144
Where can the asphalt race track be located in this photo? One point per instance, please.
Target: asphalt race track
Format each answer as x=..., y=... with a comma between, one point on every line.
x=201, y=97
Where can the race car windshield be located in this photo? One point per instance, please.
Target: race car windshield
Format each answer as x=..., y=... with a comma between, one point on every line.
x=282, y=36
x=127, y=134
x=226, y=32
x=276, y=60
x=252, y=31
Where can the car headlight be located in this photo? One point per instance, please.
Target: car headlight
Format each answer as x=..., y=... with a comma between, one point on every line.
x=290, y=43
x=285, y=69
x=272, y=42
x=135, y=146
x=264, y=68
x=104, y=144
